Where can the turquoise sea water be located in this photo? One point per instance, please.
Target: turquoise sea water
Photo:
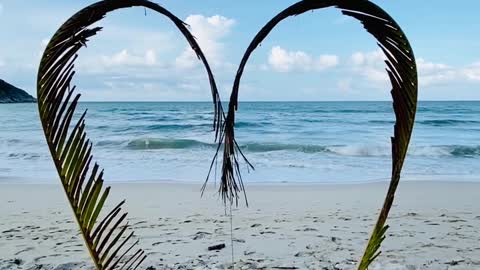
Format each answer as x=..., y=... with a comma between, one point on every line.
x=324, y=142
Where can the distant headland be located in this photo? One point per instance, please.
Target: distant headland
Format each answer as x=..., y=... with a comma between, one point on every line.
x=12, y=94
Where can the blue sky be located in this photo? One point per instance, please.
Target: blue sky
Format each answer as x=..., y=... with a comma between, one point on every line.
x=320, y=55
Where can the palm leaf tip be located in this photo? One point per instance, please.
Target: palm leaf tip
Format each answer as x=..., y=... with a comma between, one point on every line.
x=402, y=72
x=231, y=182
x=106, y=238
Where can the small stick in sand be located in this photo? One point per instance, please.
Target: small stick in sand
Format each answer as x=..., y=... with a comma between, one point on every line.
x=216, y=247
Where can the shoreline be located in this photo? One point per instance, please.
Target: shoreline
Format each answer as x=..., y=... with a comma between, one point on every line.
x=8, y=180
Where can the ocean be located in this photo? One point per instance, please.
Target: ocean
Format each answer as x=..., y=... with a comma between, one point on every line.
x=314, y=142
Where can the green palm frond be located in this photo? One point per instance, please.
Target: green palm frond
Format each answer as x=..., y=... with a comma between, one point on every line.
x=107, y=240
x=402, y=71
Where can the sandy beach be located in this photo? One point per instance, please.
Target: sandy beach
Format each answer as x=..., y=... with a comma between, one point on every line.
x=434, y=225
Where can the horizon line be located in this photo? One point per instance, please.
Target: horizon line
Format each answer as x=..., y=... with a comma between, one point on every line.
x=264, y=101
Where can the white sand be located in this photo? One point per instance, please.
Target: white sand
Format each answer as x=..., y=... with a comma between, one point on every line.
x=433, y=226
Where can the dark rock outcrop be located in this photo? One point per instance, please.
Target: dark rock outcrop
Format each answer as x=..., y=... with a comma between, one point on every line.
x=12, y=94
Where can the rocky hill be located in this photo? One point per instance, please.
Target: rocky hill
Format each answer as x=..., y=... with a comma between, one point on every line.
x=12, y=94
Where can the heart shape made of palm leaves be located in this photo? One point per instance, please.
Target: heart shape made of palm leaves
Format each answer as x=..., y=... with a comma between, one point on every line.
x=109, y=245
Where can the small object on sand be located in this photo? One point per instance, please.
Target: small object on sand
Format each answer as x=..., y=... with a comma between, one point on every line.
x=216, y=247
x=454, y=262
x=200, y=235
x=239, y=240
x=248, y=253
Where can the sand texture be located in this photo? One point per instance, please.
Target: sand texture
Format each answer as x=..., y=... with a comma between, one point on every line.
x=434, y=225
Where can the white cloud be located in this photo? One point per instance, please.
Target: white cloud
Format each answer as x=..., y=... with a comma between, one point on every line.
x=430, y=73
x=472, y=72
x=43, y=46
x=209, y=32
x=282, y=60
x=368, y=58
x=376, y=75
x=123, y=63
x=370, y=65
x=1, y=8
x=426, y=66
x=437, y=73
x=125, y=58
x=44, y=42
x=150, y=57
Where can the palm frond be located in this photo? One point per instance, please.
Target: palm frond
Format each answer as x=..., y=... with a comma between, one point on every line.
x=401, y=69
x=107, y=241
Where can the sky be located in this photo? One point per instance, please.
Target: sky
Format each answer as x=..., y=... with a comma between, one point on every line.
x=318, y=56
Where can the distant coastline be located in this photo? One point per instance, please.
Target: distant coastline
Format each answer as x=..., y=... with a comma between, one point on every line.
x=12, y=94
